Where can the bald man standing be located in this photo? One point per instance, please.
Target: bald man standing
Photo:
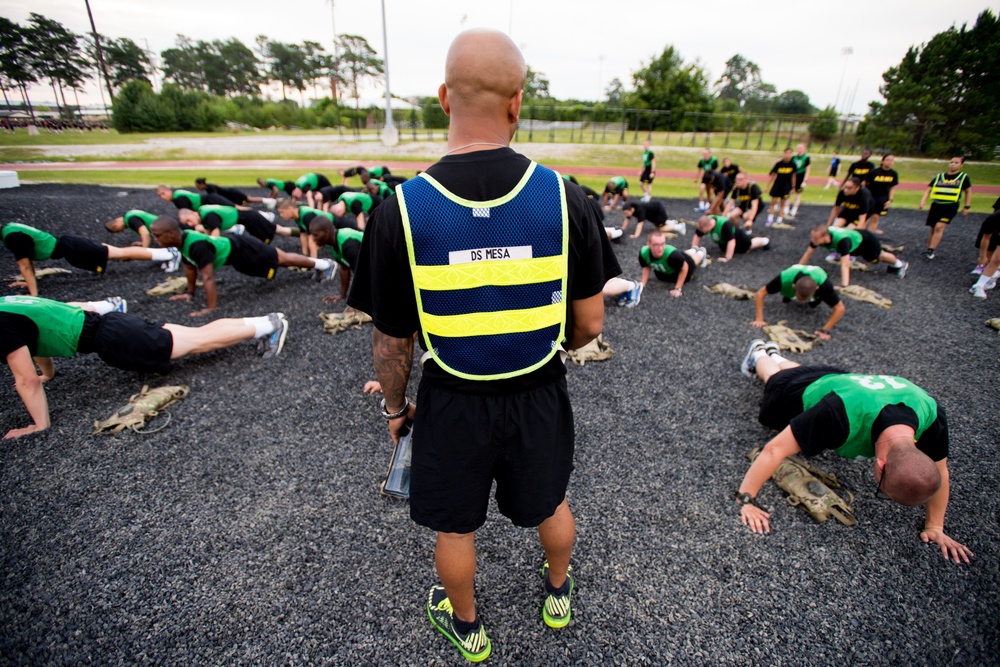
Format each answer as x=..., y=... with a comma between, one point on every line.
x=498, y=264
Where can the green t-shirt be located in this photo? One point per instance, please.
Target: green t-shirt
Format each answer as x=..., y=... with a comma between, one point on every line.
x=658, y=265
x=789, y=275
x=221, y=244
x=801, y=162
x=343, y=235
x=647, y=158
x=309, y=179
x=274, y=183
x=145, y=218
x=59, y=324
x=192, y=197
x=864, y=397
x=376, y=172
x=45, y=243
x=307, y=213
x=228, y=215
x=720, y=222
x=711, y=164
x=384, y=190
x=838, y=234
x=351, y=197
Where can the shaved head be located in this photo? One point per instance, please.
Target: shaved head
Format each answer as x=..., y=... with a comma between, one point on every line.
x=484, y=69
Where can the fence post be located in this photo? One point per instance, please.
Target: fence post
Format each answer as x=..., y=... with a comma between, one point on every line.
x=729, y=127
x=635, y=134
x=843, y=130
x=694, y=132
x=531, y=126
x=746, y=134
x=791, y=133
x=777, y=135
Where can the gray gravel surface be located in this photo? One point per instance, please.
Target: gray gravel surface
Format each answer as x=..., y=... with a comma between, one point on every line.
x=250, y=531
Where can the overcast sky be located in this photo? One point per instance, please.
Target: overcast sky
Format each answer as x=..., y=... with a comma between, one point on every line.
x=579, y=45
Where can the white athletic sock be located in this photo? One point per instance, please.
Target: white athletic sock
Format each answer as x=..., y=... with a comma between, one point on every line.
x=322, y=264
x=757, y=354
x=268, y=201
x=262, y=326
x=267, y=215
x=898, y=264
x=101, y=307
x=780, y=218
x=770, y=217
x=983, y=279
x=162, y=254
x=777, y=358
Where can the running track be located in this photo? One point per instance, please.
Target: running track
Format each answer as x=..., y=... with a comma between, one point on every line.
x=265, y=166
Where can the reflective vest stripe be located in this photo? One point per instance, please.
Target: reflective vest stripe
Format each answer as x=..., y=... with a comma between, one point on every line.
x=500, y=322
x=480, y=274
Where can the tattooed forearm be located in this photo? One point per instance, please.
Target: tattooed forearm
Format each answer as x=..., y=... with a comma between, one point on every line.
x=393, y=358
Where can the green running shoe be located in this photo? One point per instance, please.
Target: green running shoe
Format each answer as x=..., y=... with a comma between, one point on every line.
x=475, y=646
x=556, y=610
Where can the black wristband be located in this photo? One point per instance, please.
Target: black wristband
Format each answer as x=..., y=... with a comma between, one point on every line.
x=967, y=207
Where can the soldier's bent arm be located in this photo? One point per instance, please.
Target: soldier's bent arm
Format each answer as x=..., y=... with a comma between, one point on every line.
x=934, y=520
x=775, y=451
x=27, y=268
x=758, y=302
x=47, y=368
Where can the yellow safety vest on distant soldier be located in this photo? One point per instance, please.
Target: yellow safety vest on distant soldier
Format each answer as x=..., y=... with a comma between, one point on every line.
x=947, y=190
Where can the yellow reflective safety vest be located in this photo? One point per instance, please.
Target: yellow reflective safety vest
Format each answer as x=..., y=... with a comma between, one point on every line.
x=489, y=276
x=947, y=190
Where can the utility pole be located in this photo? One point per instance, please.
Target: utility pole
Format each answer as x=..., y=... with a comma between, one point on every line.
x=390, y=135
x=336, y=48
x=846, y=52
x=100, y=54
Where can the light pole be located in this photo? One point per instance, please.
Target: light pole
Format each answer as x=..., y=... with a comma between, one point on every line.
x=600, y=75
x=846, y=52
x=100, y=55
x=390, y=135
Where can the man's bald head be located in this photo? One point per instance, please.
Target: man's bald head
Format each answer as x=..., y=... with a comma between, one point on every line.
x=484, y=70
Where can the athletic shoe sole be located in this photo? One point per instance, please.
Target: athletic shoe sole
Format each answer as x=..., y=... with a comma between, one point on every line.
x=446, y=628
x=748, y=366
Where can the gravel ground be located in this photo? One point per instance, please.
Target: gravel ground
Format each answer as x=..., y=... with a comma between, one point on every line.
x=250, y=531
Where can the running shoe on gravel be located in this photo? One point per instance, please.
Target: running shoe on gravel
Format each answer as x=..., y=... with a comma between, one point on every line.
x=474, y=646
x=556, y=610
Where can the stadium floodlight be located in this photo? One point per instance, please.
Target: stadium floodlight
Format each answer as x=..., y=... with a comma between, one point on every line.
x=390, y=135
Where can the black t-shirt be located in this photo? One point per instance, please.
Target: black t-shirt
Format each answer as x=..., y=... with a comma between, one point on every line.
x=825, y=426
x=825, y=292
x=783, y=172
x=730, y=172
x=654, y=212
x=853, y=206
x=21, y=244
x=16, y=331
x=880, y=181
x=744, y=197
x=718, y=181
x=861, y=169
x=383, y=284
x=357, y=207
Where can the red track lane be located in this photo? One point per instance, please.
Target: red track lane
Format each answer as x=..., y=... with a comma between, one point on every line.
x=333, y=165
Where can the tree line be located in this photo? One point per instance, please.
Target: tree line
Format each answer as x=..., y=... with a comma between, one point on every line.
x=941, y=98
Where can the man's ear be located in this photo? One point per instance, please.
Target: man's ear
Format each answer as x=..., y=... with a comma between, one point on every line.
x=443, y=98
x=514, y=107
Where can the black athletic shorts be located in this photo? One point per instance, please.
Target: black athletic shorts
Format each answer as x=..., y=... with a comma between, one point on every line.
x=782, y=399
x=834, y=170
x=880, y=206
x=991, y=226
x=332, y=192
x=941, y=213
x=870, y=247
x=253, y=257
x=780, y=190
x=647, y=176
x=82, y=253
x=462, y=442
x=219, y=200
x=127, y=342
x=743, y=242
x=257, y=225
x=232, y=194
x=799, y=179
x=345, y=222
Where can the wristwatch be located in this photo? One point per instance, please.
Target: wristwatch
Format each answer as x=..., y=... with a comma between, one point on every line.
x=745, y=498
